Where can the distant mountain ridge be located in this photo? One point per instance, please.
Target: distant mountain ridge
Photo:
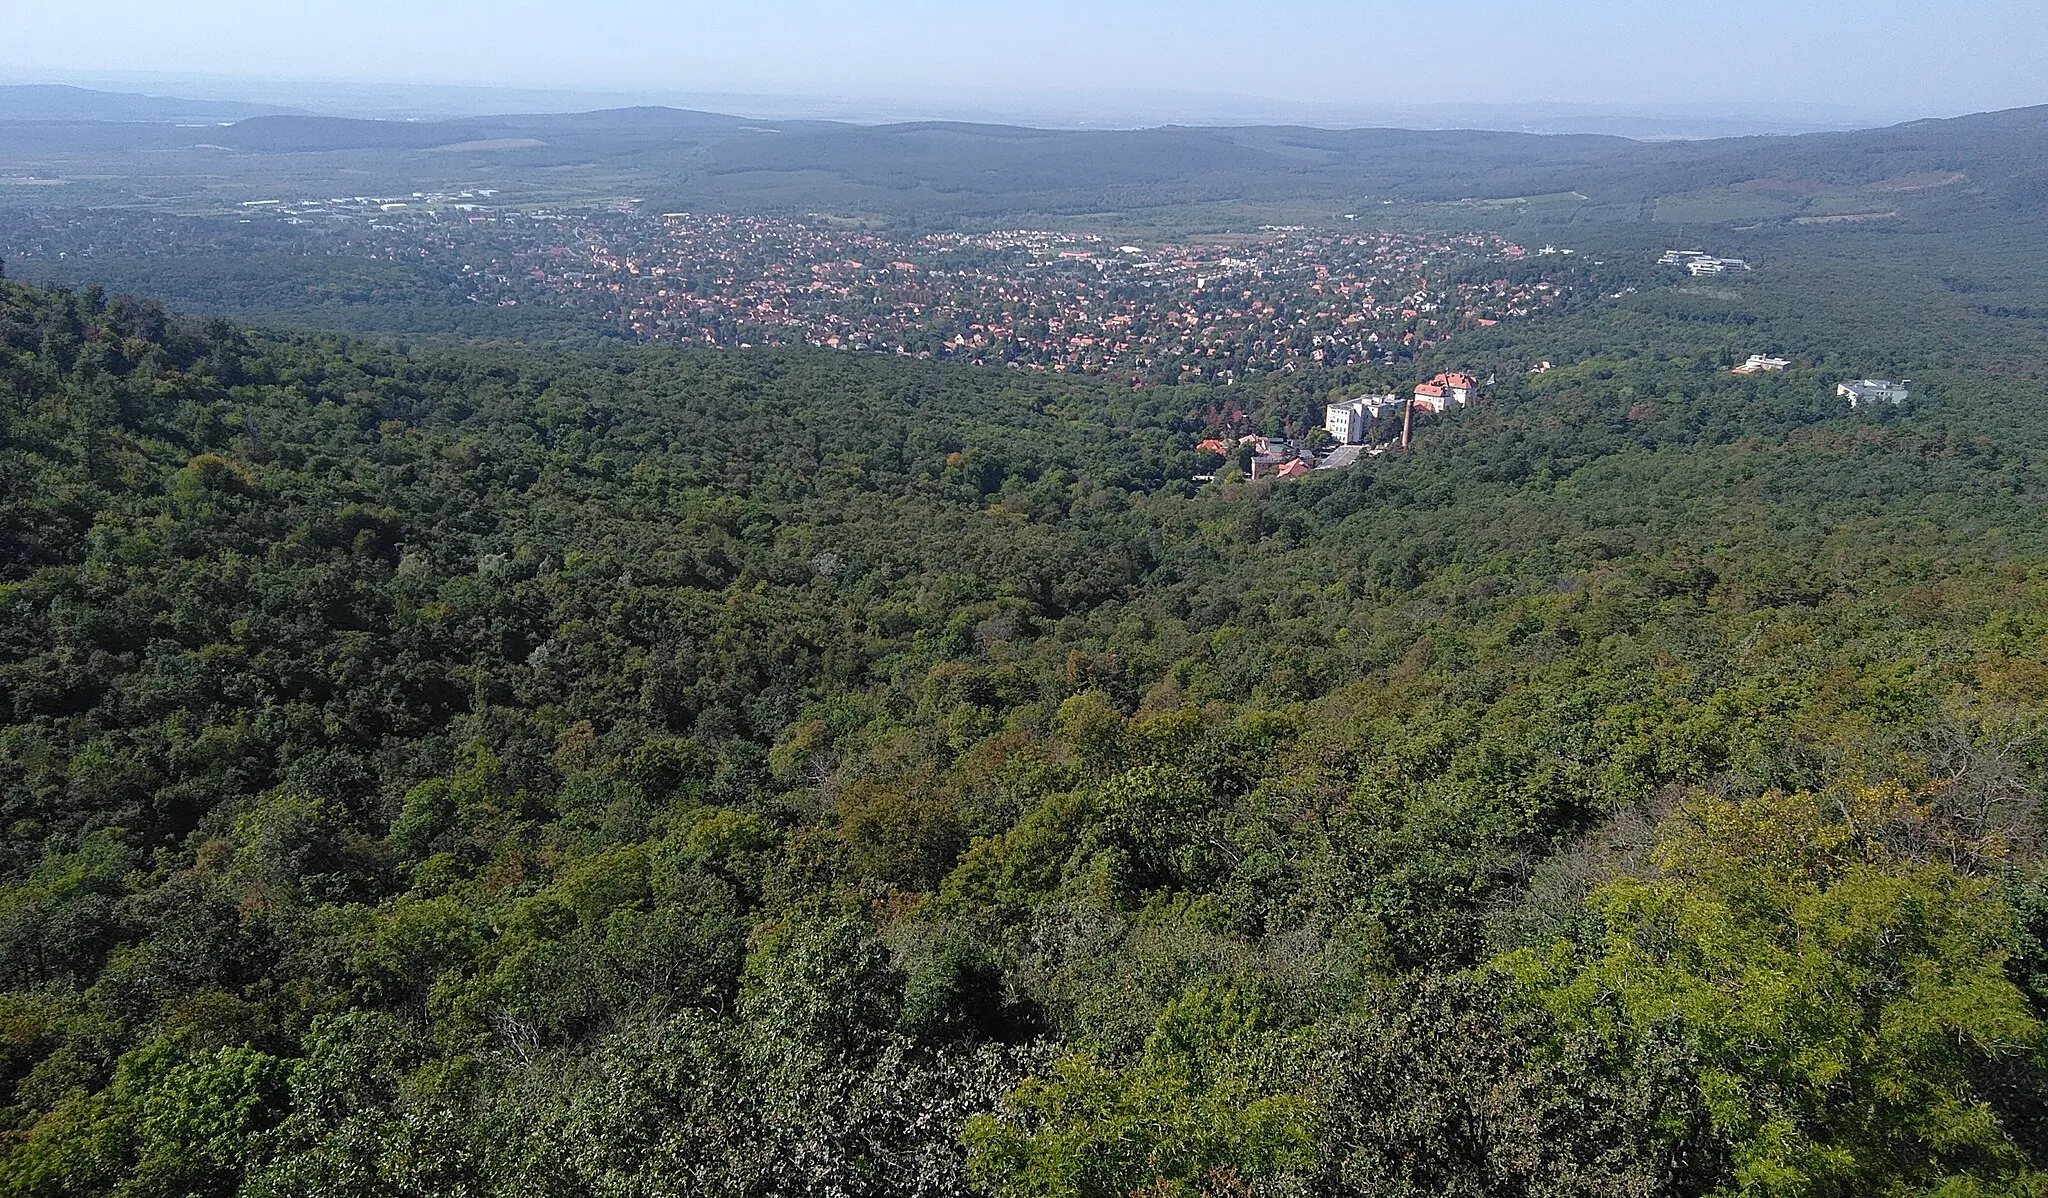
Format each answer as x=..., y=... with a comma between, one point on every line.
x=63, y=102
x=293, y=133
x=1083, y=110
x=980, y=173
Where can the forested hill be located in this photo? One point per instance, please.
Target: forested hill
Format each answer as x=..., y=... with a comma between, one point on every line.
x=491, y=771
x=987, y=172
x=932, y=174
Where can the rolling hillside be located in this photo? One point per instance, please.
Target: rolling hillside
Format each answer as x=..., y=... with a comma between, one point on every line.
x=976, y=174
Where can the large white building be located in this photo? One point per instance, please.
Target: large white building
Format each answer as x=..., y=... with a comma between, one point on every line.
x=1864, y=392
x=1715, y=266
x=1699, y=263
x=1350, y=419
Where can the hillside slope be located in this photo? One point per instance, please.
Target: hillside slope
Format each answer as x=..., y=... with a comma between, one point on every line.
x=499, y=771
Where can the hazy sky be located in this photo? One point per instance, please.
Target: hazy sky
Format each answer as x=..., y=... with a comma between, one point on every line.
x=1896, y=55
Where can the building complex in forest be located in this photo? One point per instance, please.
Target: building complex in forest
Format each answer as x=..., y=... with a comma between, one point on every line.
x=1871, y=392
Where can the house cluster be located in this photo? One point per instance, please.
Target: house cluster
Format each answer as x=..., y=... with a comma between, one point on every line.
x=1220, y=311
x=1761, y=364
x=1281, y=463
x=1871, y=392
x=1272, y=457
x=1697, y=263
x=1213, y=309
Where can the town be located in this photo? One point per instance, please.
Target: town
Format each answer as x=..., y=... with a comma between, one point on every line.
x=1216, y=308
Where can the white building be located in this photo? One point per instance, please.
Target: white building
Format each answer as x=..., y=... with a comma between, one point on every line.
x=1349, y=420
x=1864, y=392
x=1715, y=266
x=1698, y=262
x=1759, y=363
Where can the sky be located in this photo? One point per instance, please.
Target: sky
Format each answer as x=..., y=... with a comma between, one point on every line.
x=1910, y=57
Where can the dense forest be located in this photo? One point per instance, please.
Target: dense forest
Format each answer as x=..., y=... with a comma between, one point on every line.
x=493, y=770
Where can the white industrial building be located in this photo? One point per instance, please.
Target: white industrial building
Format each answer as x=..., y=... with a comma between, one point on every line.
x=1865, y=392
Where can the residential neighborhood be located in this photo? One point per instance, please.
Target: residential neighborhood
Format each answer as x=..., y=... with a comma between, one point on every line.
x=1217, y=308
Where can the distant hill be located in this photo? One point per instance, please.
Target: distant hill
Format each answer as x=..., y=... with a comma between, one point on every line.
x=985, y=170
x=646, y=118
x=601, y=132
x=315, y=134
x=61, y=102
x=1267, y=162
x=964, y=173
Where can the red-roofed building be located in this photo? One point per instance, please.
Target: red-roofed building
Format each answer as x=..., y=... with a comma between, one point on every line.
x=1447, y=390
